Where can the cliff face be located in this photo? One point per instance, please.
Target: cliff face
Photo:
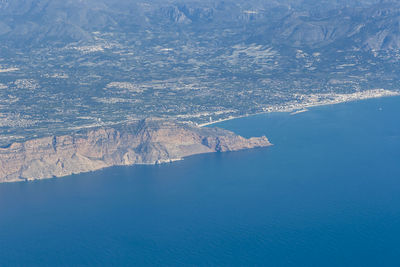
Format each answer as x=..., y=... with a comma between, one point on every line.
x=146, y=142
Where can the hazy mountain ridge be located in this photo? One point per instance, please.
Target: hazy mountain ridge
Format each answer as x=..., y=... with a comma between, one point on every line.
x=364, y=24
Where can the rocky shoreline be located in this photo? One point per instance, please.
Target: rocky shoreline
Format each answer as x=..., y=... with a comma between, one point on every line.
x=149, y=141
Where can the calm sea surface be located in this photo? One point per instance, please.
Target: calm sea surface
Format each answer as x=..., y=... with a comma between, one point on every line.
x=326, y=194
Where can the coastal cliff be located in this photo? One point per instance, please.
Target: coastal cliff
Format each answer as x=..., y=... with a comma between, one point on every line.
x=145, y=142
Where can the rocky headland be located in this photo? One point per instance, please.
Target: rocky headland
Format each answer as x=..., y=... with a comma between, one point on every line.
x=148, y=141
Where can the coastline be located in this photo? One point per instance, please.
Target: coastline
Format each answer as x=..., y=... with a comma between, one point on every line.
x=147, y=142
x=303, y=107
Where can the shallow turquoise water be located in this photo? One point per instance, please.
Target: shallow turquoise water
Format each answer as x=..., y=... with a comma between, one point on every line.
x=326, y=194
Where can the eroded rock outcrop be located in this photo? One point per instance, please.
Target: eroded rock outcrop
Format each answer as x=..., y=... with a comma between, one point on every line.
x=146, y=142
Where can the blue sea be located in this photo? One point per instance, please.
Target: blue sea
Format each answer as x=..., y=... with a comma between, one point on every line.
x=326, y=194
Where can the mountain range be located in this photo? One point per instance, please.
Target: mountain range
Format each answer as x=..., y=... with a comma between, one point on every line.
x=363, y=24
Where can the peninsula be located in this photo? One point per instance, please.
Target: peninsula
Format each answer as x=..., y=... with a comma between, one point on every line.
x=149, y=141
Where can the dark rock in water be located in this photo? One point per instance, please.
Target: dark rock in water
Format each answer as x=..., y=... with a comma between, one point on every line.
x=146, y=142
